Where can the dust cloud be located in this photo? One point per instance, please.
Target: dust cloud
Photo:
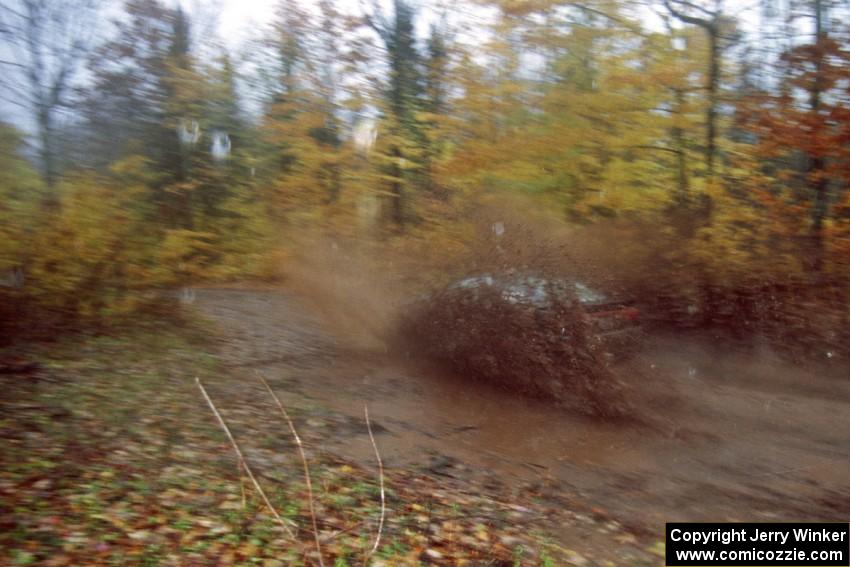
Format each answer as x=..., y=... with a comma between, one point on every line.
x=396, y=298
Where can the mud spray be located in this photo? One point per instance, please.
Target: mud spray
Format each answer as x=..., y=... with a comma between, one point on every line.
x=391, y=296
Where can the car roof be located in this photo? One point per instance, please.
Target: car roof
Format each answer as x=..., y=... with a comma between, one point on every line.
x=534, y=290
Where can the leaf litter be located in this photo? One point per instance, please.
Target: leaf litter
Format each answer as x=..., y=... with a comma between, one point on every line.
x=112, y=458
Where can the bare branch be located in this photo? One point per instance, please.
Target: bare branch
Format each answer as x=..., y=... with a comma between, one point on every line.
x=244, y=463
x=631, y=27
x=14, y=102
x=696, y=7
x=11, y=11
x=45, y=42
x=376, y=20
x=693, y=20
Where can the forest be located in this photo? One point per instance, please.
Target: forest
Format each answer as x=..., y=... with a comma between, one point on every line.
x=709, y=140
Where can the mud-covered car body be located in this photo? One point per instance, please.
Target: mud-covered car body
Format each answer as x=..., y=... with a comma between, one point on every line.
x=615, y=322
x=537, y=336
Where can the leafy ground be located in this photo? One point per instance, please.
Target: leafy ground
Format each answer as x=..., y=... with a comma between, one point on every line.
x=111, y=457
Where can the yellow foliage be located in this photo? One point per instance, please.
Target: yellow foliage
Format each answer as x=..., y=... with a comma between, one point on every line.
x=91, y=253
x=21, y=200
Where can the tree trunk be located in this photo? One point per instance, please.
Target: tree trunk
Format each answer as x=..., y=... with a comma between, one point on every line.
x=396, y=190
x=816, y=164
x=682, y=189
x=47, y=155
x=713, y=87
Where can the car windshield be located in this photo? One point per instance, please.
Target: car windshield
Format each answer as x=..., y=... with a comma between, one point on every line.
x=533, y=290
x=589, y=296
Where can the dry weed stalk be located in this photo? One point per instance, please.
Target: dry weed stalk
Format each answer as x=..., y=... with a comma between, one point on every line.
x=381, y=481
x=244, y=463
x=303, y=462
x=242, y=486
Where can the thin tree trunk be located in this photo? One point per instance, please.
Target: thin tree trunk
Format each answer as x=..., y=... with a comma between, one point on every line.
x=816, y=164
x=683, y=190
x=713, y=87
x=397, y=191
x=48, y=157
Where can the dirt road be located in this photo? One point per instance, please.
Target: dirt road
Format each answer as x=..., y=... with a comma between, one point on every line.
x=732, y=436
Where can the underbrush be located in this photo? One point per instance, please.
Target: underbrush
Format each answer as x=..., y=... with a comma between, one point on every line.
x=24, y=320
x=802, y=323
x=759, y=293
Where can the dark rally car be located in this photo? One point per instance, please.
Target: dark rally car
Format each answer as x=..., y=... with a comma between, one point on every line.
x=543, y=337
x=614, y=321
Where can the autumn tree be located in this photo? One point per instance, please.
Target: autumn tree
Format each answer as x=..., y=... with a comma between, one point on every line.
x=302, y=125
x=404, y=101
x=710, y=20
x=125, y=106
x=799, y=132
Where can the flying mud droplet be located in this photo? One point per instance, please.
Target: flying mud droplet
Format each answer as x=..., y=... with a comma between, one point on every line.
x=187, y=295
x=365, y=134
x=189, y=132
x=220, y=147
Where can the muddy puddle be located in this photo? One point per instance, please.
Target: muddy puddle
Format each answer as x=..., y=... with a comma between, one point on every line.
x=726, y=436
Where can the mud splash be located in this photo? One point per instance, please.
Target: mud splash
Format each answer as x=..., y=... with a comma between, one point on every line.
x=736, y=436
x=546, y=353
